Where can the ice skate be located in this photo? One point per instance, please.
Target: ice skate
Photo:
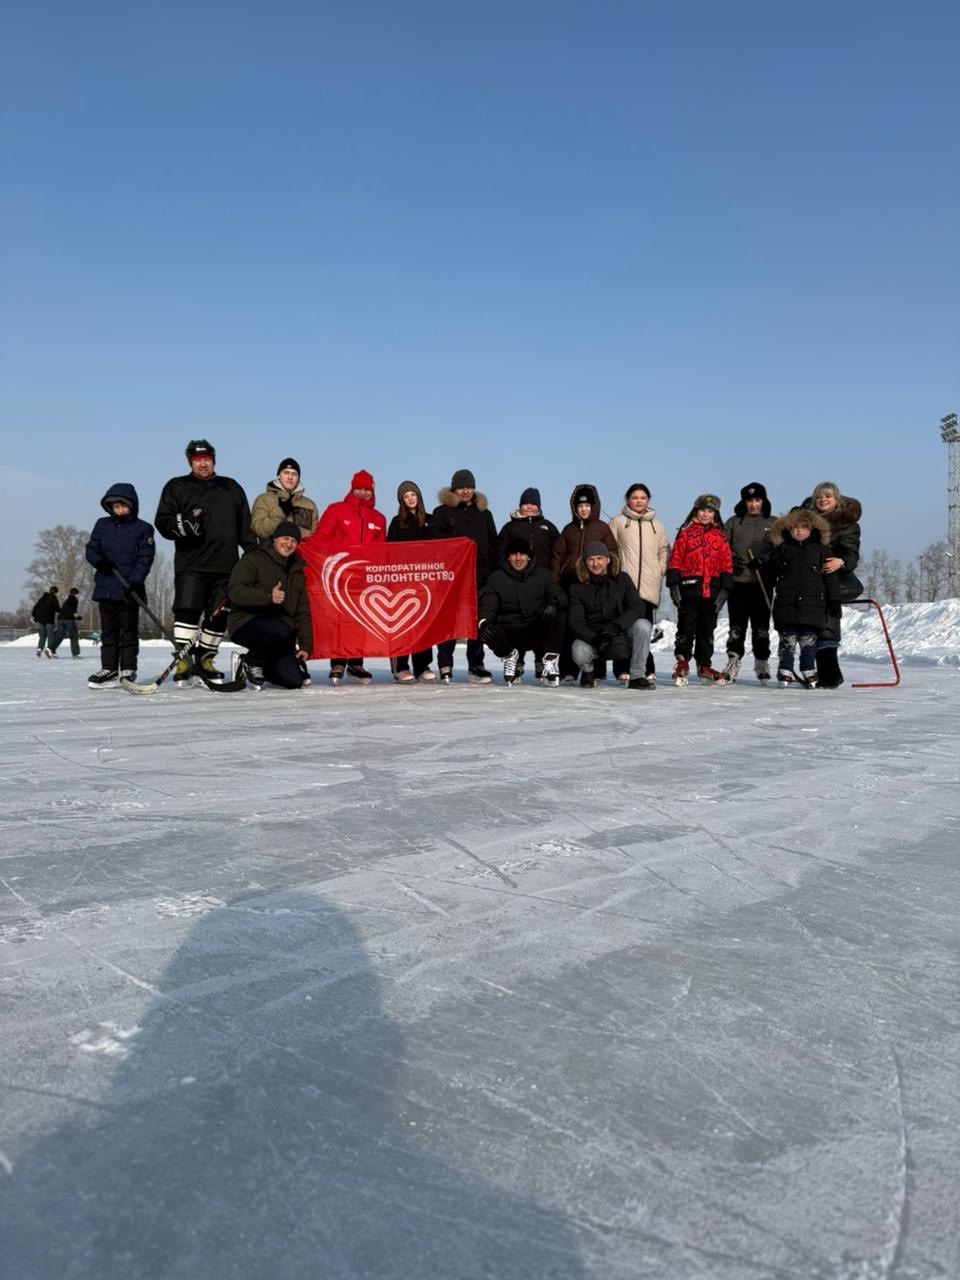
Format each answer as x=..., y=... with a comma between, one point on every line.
x=510, y=664
x=681, y=672
x=104, y=679
x=183, y=673
x=551, y=670
x=732, y=669
x=336, y=673
x=479, y=674
x=762, y=668
x=446, y=675
x=710, y=675
x=357, y=671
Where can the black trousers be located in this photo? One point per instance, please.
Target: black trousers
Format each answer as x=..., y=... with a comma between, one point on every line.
x=200, y=593
x=539, y=635
x=696, y=623
x=421, y=661
x=119, y=634
x=747, y=607
x=271, y=644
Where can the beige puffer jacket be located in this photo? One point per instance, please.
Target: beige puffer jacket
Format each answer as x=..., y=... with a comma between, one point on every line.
x=267, y=512
x=644, y=550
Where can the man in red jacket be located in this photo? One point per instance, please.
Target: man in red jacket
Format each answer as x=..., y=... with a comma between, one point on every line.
x=355, y=521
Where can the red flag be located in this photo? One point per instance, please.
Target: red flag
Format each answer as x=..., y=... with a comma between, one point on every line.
x=384, y=599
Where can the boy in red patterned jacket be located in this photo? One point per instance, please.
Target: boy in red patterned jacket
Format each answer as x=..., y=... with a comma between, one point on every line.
x=699, y=577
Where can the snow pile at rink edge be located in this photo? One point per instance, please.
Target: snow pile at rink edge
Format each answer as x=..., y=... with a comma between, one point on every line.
x=921, y=633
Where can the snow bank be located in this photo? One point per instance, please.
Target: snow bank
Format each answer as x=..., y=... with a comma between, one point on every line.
x=921, y=633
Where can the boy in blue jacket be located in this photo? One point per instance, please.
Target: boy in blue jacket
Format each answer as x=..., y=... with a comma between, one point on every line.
x=119, y=541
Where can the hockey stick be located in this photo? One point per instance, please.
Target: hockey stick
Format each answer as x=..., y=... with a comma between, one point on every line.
x=755, y=566
x=182, y=651
x=185, y=651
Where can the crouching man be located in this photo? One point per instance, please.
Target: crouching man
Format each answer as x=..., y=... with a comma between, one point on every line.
x=270, y=613
x=607, y=617
x=521, y=608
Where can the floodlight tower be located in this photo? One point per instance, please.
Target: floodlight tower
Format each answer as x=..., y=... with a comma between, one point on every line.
x=950, y=436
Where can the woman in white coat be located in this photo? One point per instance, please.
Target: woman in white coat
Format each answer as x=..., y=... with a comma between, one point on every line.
x=644, y=550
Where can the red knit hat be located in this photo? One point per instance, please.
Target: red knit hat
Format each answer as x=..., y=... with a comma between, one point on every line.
x=362, y=480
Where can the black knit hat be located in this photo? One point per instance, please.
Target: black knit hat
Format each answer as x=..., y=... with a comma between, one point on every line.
x=519, y=547
x=463, y=479
x=286, y=529
x=596, y=548
x=290, y=463
x=531, y=496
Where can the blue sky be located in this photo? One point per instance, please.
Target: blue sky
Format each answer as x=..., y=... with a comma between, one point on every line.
x=691, y=244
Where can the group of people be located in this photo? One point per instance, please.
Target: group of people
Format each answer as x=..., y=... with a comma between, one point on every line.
x=577, y=597
x=56, y=621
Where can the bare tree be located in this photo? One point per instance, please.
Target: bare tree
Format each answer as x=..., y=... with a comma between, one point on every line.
x=932, y=563
x=911, y=581
x=60, y=561
x=159, y=594
x=872, y=570
x=890, y=579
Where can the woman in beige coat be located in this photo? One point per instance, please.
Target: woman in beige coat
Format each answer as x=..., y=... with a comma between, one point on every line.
x=283, y=499
x=644, y=550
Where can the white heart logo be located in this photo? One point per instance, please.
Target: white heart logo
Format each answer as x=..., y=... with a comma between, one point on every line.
x=377, y=608
x=395, y=611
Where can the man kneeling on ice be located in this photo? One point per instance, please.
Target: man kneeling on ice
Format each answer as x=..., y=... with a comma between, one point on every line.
x=270, y=611
x=607, y=618
x=521, y=608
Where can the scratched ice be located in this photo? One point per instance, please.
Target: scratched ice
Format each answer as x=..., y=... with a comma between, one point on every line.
x=474, y=982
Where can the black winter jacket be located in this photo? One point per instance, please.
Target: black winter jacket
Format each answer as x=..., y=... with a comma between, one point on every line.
x=515, y=597
x=45, y=610
x=224, y=522
x=604, y=600
x=538, y=532
x=126, y=541
x=805, y=597
x=68, y=610
x=453, y=519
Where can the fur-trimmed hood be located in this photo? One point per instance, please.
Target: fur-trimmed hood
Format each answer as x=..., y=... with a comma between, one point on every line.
x=594, y=501
x=795, y=519
x=448, y=498
x=613, y=568
x=848, y=512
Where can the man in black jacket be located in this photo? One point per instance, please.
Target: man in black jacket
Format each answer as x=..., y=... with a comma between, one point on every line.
x=207, y=517
x=522, y=608
x=605, y=610
x=67, y=623
x=463, y=513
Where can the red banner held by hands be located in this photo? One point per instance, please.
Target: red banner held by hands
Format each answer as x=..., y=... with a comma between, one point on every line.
x=389, y=598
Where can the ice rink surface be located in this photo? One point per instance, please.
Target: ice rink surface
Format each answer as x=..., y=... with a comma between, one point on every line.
x=476, y=982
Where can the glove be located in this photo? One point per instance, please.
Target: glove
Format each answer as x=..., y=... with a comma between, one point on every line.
x=548, y=612
x=286, y=506
x=484, y=629
x=189, y=524
x=675, y=596
x=720, y=599
x=104, y=565
x=607, y=635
